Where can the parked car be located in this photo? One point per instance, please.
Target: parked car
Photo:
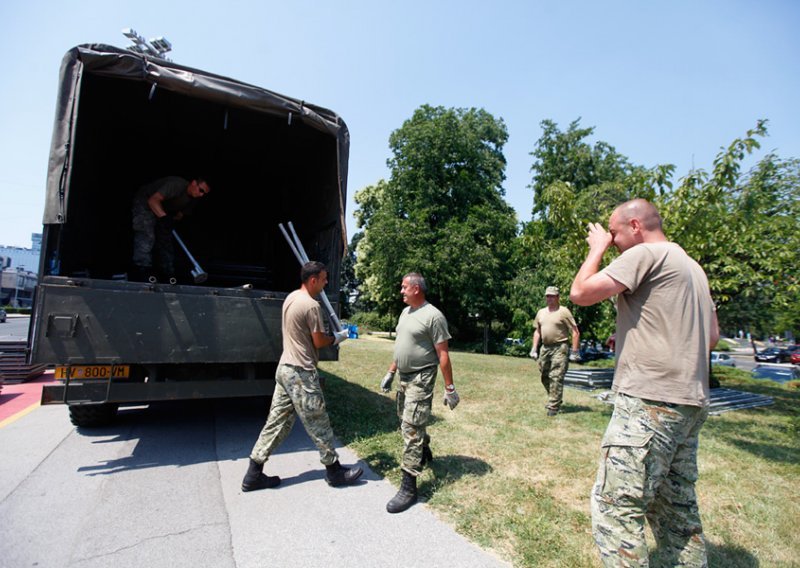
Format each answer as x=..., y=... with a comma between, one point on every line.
x=773, y=355
x=589, y=352
x=723, y=359
x=3, y=315
x=795, y=358
x=778, y=373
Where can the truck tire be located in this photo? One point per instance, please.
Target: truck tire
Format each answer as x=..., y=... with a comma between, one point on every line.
x=92, y=415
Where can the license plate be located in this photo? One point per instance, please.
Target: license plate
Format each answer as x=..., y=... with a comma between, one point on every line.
x=82, y=372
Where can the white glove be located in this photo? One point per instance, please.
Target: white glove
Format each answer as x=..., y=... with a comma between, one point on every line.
x=386, y=383
x=339, y=336
x=534, y=354
x=574, y=357
x=451, y=398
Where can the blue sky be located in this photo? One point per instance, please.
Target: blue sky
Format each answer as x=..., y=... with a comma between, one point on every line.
x=664, y=82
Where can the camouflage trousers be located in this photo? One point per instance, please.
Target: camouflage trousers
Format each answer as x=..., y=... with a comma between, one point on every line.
x=297, y=393
x=414, y=401
x=149, y=236
x=648, y=470
x=553, y=363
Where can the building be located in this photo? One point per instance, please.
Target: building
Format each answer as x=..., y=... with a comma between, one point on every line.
x=18, y=273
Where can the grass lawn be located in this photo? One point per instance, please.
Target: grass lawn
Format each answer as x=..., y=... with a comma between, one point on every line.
x=517, y=482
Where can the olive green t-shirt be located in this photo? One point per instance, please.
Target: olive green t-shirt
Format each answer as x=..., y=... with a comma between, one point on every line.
x=555, y=326
x=301, y=316
x=664, y=323
x=418, y=332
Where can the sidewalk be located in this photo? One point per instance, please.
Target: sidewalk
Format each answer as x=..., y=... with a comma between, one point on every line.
x=310, y=524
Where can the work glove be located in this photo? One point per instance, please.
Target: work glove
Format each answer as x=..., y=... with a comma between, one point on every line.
x=451, y=398
x=386, y=383
x=574, y=356
x=533, y=354
x=339, y=336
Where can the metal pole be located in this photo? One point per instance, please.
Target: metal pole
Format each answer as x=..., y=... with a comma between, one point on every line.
x=302, y=257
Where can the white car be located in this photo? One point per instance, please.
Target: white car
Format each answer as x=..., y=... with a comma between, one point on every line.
x=724, y=359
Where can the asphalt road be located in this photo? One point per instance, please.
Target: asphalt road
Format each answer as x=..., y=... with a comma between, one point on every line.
x=161, y=488
x=15, y=328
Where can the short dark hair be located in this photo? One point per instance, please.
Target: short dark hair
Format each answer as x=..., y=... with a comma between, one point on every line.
x=311, y=268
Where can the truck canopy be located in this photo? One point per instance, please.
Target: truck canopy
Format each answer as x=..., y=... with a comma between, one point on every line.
x=124, y=119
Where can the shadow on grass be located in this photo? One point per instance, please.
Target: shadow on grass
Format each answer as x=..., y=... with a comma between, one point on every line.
x=730, y=556
x=448, y=469
x=574, y=409
x=772, y=433
x=357, y=412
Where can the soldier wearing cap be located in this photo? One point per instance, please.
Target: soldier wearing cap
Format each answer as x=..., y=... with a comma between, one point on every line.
x=552, y=327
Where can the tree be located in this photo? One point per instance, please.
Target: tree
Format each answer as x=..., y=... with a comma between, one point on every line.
x=441, y=213
x=574, y=183
x=744, y=229
x=349, y=283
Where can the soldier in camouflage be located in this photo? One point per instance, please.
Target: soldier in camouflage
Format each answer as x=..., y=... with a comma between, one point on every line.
x=553, y=326
x=421, y=348
x=156, y=207
x=666, y=328
x=297, y=388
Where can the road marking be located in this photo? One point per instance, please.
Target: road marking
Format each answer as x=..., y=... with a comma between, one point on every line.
x=20, y=414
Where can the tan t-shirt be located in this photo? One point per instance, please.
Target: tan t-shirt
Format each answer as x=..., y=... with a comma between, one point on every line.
x=555, y=326
x=664, y=323
x=302, y=315
x=418, y=332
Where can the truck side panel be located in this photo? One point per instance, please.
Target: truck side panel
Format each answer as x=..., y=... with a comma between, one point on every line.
x=91, y=322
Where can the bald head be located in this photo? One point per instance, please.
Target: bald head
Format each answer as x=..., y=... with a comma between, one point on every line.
x=640, y=209
x=633, y=222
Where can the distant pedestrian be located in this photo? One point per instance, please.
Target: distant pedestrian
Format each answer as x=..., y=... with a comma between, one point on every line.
x=553, y=326
x=420, y=349
x=666, y=328
x=297, y=388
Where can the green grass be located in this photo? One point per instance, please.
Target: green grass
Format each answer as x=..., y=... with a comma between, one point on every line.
x=514, y=481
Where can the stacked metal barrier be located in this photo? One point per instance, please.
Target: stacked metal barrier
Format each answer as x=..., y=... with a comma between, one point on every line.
x=722, y=399
x=12, y=363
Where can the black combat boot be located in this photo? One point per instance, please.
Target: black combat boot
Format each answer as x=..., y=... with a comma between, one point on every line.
x=407, y=495
x=338, y=475
x=254, y=478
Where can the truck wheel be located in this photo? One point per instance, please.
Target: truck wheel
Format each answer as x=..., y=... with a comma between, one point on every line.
x=92, y=415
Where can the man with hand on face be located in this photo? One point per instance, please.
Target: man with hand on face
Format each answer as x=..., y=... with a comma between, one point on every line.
x=420, y=349
x=666, y=328
x=553, y=326
x=297, y=388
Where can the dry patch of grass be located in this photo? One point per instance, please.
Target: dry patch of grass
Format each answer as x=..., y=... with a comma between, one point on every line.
x=513, y=480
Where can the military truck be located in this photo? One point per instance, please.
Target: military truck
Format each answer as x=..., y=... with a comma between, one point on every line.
x=122, y=120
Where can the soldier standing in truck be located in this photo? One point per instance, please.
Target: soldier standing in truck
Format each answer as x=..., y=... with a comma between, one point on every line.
x=156, y=207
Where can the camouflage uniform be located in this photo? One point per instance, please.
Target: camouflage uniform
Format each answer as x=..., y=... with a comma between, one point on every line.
x=648, y=469
x=553, y=363
x=297, y=392
x=147, y=233
x=414, y=401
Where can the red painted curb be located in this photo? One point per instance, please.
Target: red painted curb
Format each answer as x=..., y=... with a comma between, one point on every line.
x=16, y=398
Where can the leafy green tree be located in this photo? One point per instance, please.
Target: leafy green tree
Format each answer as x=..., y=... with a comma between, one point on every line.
x=574, y=183
x=744, y=229
x=441, y=213
x=349, y=283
